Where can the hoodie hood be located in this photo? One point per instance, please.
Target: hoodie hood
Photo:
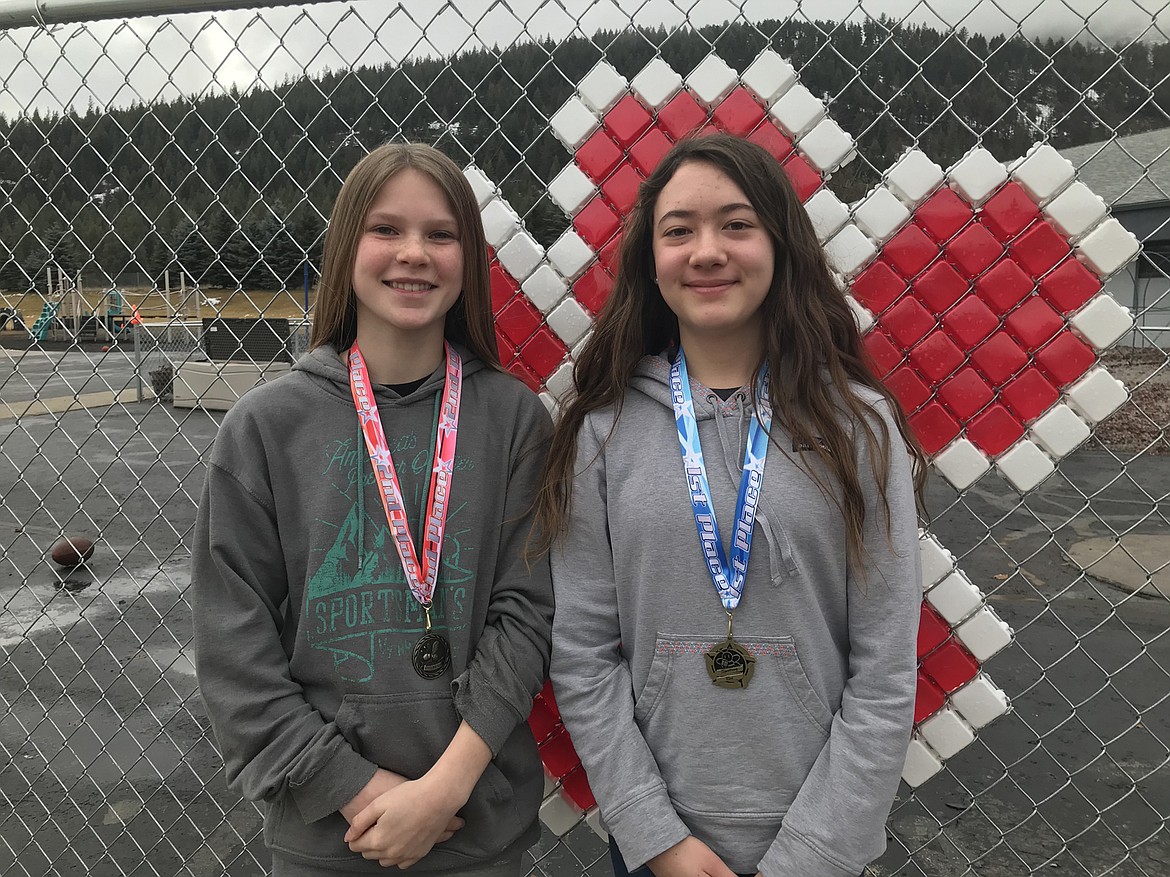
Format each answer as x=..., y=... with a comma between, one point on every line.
x=723, y=425
x=651, y=378
x=325, y=366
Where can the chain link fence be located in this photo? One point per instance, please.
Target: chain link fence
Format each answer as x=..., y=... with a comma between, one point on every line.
x=991, y=179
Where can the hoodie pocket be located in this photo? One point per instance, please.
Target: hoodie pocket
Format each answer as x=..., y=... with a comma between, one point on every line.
x=406, y=734
x=737, y=754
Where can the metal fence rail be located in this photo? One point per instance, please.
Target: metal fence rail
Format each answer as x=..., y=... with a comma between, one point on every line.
x=992, y=183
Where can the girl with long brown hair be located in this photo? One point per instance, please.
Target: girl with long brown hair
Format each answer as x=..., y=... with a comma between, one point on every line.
x=733, y=717
x=368, y=636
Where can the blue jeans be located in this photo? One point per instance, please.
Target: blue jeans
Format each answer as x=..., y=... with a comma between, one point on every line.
x=619, y=864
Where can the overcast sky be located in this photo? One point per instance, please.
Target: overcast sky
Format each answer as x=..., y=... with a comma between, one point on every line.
x=111, y=63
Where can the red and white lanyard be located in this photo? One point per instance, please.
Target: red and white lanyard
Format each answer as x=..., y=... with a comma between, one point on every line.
x=421, y=574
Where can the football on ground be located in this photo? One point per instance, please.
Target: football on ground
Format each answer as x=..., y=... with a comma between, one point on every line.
x=71, y=551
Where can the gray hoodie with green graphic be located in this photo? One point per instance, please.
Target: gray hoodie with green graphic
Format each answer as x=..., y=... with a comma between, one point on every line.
x=304, y=622
x=794, y=775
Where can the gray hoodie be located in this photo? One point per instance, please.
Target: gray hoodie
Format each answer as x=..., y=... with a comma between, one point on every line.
x=304, y=623
x=793, y=776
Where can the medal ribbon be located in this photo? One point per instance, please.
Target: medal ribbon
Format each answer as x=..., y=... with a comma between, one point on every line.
x=727, y=577
x=421, y=574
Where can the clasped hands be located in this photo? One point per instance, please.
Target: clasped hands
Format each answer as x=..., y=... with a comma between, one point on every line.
x=396, y=821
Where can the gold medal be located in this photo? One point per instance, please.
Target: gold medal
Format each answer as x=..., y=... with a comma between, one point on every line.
x=729, y=664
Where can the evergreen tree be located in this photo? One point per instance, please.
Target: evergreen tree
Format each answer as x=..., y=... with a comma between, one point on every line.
x=12, y=275
x=64, y=249
x=193, y=253
x=238, y=256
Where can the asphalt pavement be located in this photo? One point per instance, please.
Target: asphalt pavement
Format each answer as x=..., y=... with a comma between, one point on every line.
x=27, y=375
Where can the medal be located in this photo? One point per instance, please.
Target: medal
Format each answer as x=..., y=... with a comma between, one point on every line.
x=431, y=655
x=729, y=664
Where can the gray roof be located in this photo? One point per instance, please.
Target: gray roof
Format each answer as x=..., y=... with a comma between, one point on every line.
x=1128, y=171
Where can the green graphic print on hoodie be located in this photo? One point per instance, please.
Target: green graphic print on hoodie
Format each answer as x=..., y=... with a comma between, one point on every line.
x=304, y=622
x=364, y=612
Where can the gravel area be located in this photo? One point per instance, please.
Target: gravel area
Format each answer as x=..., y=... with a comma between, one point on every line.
x=1142, y=423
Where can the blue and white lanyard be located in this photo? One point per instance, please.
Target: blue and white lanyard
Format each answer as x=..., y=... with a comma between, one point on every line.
x=728, y=578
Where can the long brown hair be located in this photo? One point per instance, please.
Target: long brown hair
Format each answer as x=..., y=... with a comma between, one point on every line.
x=469, y=321
x=812, y=344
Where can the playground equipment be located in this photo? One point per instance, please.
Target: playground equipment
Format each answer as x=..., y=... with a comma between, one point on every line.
x=43, y=323
x=116, y=314
x=172, y=304
x=113, y=303
x=65, y=310
x=11, y=318
x=66, y=314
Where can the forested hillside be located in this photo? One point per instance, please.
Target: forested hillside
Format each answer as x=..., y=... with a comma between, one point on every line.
x=234, y=187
